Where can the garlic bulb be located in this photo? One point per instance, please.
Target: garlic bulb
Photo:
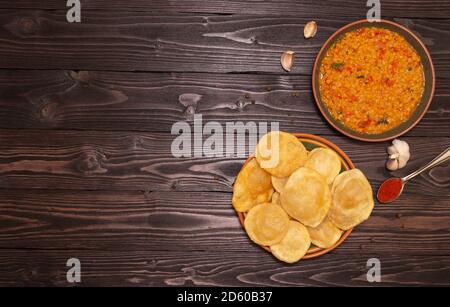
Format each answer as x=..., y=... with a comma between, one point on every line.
x=398, y=155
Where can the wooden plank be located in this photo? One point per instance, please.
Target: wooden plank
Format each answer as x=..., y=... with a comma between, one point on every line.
x=143, y=161
x=123, y=268
x=198, y=221
x=310, y=8
x=95, y=100
x=141, y=42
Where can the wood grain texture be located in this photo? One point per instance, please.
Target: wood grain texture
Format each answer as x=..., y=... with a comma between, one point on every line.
x=198, y=221
x=95, y=100
x=148, y=268
x=142, y=42
x=86, y=168
x=309, y=8
x=143, y=161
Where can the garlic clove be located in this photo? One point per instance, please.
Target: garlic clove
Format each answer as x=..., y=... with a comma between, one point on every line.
x=392, y=150
x=392, y=164
x=310, y=29
x=403, y=149
x=401, y=146
x=287, y=60
x=394, y=156
x=407, y=156
x=402, y=160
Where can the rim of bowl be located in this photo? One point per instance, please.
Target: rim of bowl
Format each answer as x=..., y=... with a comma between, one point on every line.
x=348, y=164
x=315, y=90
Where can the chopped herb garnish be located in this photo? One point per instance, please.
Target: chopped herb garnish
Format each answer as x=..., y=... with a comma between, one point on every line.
x=337, y=65
x=383, y=121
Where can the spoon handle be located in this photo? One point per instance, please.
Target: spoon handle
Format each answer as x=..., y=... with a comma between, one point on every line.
x=436, y=161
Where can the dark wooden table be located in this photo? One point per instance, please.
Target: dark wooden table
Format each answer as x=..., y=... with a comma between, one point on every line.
x=86, y=169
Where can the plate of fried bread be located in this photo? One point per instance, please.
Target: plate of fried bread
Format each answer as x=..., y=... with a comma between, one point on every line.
x=300, y=196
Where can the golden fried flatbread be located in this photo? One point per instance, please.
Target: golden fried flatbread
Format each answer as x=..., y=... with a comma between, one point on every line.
x=280, y=153
x=278, y=183
x=324, y=161
x=294, y=244
x=266, y=224
x=352, y=199
x=253, y=186
x=306, y=197
x=276, y=199
x=325, y=235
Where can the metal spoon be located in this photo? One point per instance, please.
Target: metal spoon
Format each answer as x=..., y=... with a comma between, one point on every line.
x=444, y=156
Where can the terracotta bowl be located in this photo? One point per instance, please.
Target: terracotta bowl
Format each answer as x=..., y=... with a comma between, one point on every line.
x=423, y=104
x=312, y=141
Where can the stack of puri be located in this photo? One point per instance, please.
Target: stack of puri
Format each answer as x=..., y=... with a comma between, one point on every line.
x=293, y=198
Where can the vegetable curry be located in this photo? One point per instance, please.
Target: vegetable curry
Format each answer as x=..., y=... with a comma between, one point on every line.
x=371, y=80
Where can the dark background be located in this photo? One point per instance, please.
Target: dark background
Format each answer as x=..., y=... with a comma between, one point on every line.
x=85, y=165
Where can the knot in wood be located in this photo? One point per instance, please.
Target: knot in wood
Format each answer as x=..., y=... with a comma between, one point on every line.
x=240, y=105
x=28, y=25
x=189, y=113
x=80, y=76
x=48, y=110
x=91, y=162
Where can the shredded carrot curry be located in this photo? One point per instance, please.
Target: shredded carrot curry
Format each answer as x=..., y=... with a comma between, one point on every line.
x=371, y=80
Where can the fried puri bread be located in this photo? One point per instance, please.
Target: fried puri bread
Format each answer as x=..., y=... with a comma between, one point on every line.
x=325, y=235
x=253, y=186
x=302, y=199
x=294, y=245
x=279, y=183
x=352, y=199
x=324, y=161
x=266, y=224
x=306, y=197
x=280, y=153
x=276, y=199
